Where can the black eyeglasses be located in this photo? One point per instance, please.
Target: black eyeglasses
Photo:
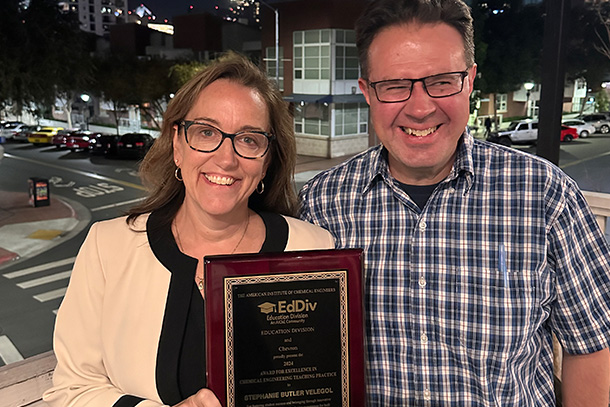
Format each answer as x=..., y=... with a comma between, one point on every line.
x=440, y=85
x=206, y=138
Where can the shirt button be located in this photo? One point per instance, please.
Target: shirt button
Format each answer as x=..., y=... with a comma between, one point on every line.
x=422, y=226
x=427, y=395
x=422, y=281
x=451, y=190
x=424, y=338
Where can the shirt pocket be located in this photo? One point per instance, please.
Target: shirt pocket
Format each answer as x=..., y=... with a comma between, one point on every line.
x=490, y=311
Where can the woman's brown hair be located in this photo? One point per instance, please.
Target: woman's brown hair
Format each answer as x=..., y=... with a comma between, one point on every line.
x=157, y=168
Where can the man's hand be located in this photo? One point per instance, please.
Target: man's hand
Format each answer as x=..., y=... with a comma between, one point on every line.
x=203, y=398
x=586, y=379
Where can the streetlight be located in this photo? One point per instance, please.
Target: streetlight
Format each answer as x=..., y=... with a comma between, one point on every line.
x=86, y=98
x=277, y=42
x=528, y=87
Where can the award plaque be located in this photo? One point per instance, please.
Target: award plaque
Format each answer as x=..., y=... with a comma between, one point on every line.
x=285, y=329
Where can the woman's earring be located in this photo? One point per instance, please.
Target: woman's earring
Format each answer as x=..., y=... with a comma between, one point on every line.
x=260, y=188
x=178, y=174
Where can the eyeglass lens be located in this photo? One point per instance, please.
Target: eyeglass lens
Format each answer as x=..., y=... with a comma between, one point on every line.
x=207, y=139
x=437, y=86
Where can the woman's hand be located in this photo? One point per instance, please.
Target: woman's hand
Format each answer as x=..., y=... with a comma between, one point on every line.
x=203, y=398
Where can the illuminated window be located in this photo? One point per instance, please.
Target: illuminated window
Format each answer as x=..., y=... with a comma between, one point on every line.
x=271, y=62
x=351, y=118
x=312, y=54
x=502, y=102
x=312, y=118
x=346, y=55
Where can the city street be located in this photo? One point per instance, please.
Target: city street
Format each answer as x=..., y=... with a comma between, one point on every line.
x=98, y=188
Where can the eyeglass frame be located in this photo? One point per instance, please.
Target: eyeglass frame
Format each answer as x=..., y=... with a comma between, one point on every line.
x=188, y=123
x=373, y=85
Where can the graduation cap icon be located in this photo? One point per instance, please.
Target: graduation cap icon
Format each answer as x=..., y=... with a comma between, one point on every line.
x=267, y=307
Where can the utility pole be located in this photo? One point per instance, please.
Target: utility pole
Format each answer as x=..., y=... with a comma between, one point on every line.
x=277, y=42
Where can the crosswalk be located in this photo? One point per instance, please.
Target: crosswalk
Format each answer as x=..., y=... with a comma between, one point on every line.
x=45, y=282
x=41, y=275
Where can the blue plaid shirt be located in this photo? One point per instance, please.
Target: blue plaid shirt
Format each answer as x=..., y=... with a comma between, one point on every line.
x=462, y=296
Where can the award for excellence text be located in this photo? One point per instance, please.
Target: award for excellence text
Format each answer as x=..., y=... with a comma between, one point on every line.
x=287, y=340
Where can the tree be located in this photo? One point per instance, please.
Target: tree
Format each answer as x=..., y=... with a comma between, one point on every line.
x=11, y=29
x=114, y=82
x=601, y=101
x=152, y=88
x=512, y=43
x=583, y=59
x=42, y=54
x=181, y=73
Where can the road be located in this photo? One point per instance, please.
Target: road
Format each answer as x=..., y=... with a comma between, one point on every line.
x=31, y=291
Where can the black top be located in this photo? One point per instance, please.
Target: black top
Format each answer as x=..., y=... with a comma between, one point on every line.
x=418, y=193
x=180, y=369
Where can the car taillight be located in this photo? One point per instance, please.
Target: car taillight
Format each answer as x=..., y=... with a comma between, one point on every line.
x=120, y=144
x=139, y=144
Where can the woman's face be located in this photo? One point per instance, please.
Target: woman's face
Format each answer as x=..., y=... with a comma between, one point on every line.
x=219, y=183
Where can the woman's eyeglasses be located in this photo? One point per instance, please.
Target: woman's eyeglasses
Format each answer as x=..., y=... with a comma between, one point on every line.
x=206, y=138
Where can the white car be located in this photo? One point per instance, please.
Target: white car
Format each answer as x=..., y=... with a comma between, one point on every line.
x=9, y=130
x=583, y=128
x=1, y=152
x=518, y=132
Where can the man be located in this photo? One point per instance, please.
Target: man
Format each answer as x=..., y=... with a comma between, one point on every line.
x=474, y=253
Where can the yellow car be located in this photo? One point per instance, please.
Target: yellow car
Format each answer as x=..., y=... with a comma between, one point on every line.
x=44, y=135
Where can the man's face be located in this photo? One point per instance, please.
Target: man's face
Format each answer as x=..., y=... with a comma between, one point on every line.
x=421, y=134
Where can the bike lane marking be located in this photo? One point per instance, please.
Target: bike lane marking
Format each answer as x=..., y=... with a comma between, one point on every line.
x=79, y=172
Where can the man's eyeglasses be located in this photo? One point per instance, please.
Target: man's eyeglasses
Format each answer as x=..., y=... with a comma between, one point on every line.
x=437, y=86
x=206, y=138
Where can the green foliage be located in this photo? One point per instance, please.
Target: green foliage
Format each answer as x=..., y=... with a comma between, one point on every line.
x=582, y=57
x=43, y=54
x=509, y=46
x=183, y=72
x=602, y=102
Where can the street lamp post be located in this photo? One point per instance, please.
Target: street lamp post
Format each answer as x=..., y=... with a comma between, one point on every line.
x=277, y=42
x=86, y=98
x=528, y=87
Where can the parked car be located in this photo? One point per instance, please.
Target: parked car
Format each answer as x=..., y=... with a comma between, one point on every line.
x=583, y=128
x=61, y=138
x=518, y=132
x=1, y=152
x=9, y=129
x=599, y=120
x=134, y=144
x=80, y=140
x=44, y=135
x=568, y=134
x=104, y=144
x=26, y=131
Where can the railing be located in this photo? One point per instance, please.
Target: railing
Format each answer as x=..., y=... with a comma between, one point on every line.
x=22, y=383
x=600, y=205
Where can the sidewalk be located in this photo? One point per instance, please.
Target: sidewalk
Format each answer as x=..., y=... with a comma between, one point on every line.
x=26, y=231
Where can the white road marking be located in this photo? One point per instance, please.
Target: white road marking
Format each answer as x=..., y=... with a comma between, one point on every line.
x=8, y=351
x=42, y=267
x=51, y=295
x=85, y=173
x=117, y=204
x=44, y=280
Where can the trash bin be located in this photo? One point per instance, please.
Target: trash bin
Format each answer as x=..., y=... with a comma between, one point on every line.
x=40, y=194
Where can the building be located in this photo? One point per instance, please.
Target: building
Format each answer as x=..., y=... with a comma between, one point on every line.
x=318, y=73
x=96, y=16
x=524, y=103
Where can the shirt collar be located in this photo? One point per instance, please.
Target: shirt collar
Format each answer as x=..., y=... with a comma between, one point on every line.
x=464, y=166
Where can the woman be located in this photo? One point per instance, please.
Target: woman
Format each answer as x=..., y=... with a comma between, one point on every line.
x=130, y=328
